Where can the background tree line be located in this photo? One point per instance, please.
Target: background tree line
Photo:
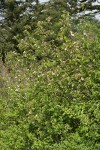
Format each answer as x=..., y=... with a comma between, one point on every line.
x=16, y=14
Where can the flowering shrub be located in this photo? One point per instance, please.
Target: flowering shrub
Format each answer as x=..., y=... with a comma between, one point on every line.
x=54, y=102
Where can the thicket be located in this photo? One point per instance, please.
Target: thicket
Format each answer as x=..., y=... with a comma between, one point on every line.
x=49, y=92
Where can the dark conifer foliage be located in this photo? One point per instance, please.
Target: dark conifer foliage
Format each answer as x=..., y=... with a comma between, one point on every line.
x=14, y=16
x=76, y=6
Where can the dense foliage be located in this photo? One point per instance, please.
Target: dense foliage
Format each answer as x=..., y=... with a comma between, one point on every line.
x=49, y=92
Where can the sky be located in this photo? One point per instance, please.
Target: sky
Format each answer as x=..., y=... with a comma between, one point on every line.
x=44, y=0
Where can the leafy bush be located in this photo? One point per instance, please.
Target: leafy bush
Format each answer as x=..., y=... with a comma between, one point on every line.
x=54, y=102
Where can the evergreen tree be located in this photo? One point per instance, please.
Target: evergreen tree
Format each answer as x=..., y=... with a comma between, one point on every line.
x=89, y=5
x=16, y=14
x=74, y=6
